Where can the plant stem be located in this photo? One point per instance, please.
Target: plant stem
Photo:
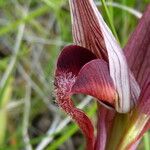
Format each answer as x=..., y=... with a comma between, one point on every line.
x=110, y=21
x=133, y=130
x=146, y=141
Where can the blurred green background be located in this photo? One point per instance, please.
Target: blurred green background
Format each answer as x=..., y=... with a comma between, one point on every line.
x=32, y=33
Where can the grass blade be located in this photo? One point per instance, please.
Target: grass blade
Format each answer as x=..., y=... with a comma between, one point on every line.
x=146, y=139
x=109, y=19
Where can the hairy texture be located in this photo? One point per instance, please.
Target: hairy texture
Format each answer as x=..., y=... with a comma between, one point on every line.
x=100, y=69
x=63, y=84
x=78, y=71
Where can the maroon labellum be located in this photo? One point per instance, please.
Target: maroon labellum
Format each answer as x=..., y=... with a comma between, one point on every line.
x=96, y=65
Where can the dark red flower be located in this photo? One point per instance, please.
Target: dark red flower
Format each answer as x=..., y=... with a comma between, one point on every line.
x=97, y=66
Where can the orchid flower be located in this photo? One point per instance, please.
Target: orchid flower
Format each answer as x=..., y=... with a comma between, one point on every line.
x=119, y=79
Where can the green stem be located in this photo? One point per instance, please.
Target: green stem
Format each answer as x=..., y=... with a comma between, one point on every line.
x=110, y=21
x=146, y=141
x=117, y=130
x=111, y=10
x=124, y=24
x=133, y=130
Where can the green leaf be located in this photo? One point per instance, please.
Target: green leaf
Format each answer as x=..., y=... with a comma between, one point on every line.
x=30, y=16
x=3, y=111
x=146, y=139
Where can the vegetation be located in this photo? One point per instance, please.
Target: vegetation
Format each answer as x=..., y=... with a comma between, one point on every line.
x=31, y=35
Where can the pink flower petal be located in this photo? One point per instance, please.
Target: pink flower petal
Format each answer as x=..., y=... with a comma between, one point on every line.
x=72, y=58
x=90, y=31
x=105, y=121
x=81, y=119
x=86, y=29
x=137, y=50
x=64, y=83
x=94, y=79
x=144, y=100
x=72, y=63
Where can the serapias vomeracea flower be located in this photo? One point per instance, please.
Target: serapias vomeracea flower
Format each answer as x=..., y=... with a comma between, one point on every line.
x=119, y=79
